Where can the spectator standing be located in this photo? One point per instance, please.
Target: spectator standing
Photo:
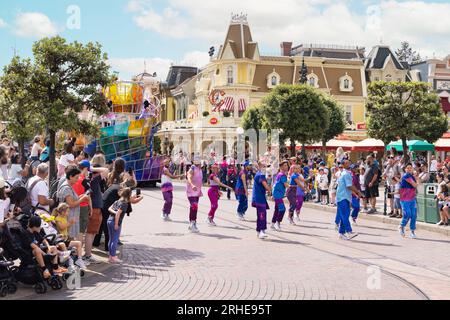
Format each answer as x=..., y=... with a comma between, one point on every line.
x=66, y=158
x=371, y=183
x=38, y=189
x=433, y=169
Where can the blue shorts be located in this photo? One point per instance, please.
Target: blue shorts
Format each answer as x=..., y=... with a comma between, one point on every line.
x=397, y=204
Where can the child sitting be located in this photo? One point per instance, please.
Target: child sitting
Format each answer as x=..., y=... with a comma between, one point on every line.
x=61, y=213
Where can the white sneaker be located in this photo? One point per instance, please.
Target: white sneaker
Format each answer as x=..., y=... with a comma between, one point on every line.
x=354, y=222
x=163, y=216
x=272, y=226
x=262, y=234
x=191, y=226
x=195, y=228
x=277, y=226
x=90, y=260
x=413, y=235
x=297, y=217
x=351, y=235
x=401, y=230
x=343, y=236
x=241, y=217
x=440, y=223
x=80, y=263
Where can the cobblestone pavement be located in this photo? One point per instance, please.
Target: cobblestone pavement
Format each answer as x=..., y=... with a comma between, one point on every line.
x=306, y=261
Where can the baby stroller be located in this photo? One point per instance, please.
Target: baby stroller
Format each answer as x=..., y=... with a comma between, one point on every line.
x=65, y=260
x=7, y=280
x=28, y=272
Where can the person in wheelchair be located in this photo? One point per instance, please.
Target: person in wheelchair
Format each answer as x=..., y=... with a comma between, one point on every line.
x=32, y=238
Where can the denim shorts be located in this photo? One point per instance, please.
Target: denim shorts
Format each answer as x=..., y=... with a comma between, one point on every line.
x=397, y=204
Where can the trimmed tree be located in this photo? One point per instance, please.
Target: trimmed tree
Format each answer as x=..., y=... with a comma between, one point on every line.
x=68, y=79
x=406, y=54
x=337, y=121
x=17, y=107
x=406, y=111
x=298, y=111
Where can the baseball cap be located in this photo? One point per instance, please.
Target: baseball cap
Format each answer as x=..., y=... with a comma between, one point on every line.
x=85, y=164
x=322, y=163
x=353, y=166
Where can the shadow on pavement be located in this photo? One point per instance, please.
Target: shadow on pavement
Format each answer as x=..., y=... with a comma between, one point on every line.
x=218, y=236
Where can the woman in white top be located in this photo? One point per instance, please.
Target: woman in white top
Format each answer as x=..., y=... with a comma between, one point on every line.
x=4, y=201
x=362, y=170
x=37, y=149
x=340, y=155
x=66, y=159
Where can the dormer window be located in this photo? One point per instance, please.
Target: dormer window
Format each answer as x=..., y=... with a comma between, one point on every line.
x=273, y=79
x=346, y=83
x=313, y=80
x=230, y=75
x=388, y=78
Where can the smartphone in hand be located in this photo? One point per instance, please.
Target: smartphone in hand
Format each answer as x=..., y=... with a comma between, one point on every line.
x=138, y=192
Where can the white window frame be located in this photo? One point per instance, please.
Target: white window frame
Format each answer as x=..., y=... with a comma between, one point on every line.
x=342, y=81
x=316, y=80
x=230, y=69
x=388, y=78
x=269, y=78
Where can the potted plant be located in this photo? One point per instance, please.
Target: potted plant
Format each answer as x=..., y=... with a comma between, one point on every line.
x=226, y=114
x=205, y=114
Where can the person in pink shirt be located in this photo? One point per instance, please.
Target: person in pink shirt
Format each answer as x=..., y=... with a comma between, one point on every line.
x=194, y=192
x=214, y=193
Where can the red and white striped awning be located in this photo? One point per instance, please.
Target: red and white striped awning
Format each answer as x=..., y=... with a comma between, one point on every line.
x=193, y=115
x=228, y=104
x=242, y=105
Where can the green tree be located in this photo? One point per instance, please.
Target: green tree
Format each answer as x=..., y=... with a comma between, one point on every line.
x=17, y=106
x=67, y=80
x=298, y=111
x=337, y=121
x=406, y=111
x=406, y=54
x=253, y=118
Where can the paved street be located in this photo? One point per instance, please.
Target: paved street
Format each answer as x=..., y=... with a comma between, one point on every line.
x=307, y=261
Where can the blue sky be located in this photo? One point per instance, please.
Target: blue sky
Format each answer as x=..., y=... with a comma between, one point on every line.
x=160, y=32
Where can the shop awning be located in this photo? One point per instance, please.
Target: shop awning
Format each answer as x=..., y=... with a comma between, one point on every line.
x=442, y=144
x=413, y=145
x=228, y=104
x=369, y=145
x=347, y=145
x=242, y=105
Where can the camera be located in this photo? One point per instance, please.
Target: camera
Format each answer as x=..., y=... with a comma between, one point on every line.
x=88, y=192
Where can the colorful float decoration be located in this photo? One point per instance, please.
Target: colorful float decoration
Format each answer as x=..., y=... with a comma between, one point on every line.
x=129, y=128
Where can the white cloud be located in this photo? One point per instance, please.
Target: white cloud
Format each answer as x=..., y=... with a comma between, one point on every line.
x=2, y=23
x=34, y=25
x=314, y=21
x=128, y=67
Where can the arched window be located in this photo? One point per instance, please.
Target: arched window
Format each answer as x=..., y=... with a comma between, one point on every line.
x=230, y=76
x=313, y=80
x=346, y=83
x=274, y=80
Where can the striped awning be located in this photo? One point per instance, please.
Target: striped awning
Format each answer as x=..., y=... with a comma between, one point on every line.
x=242, y=105
x=228, y=104
x=193, y=115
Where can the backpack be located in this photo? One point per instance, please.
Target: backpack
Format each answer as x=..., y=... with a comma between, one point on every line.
x=25, y=193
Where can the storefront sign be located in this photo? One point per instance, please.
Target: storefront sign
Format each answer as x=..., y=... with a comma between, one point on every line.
x=214, y=121
x=361, y=126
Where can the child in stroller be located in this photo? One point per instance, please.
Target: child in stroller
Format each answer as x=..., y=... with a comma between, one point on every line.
x=38, y=260
x=60, y=215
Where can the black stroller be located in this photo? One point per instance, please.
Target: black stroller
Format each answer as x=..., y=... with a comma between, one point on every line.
x=28, y=272
x=7, y=280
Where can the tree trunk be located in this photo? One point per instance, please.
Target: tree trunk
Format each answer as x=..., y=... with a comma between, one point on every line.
x=52, y=156
x=304, y=151
x=405, y=151
x=324, y=149
x=23, y=158
x=292, y=147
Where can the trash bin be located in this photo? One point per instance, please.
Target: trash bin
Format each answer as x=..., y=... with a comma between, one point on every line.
x=421, y=203
x=431, y=204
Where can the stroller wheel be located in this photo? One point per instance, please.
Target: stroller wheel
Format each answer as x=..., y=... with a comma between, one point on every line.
x=56, y=283
x=65, y=276
x=40, y=288
x=12, y=288
x=3, y=291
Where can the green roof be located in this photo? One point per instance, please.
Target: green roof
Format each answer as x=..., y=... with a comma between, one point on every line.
x=413, y=145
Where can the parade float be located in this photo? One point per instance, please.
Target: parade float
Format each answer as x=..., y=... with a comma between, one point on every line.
x=128, y=130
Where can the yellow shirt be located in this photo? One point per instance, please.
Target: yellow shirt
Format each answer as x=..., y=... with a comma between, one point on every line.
x=63, y=232
x=330, y=160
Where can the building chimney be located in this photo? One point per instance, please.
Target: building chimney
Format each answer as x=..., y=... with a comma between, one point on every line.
x=286, y=48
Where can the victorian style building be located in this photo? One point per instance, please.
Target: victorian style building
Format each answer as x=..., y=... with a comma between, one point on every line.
x=239, y=76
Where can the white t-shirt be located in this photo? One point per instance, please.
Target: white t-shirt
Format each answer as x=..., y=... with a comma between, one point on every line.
x=40, y=189
x=14, y=172
x=433, y=166
x=4, y=207
x=323, y=182
x=397, y=191
x=66, y=159
x=35, y=150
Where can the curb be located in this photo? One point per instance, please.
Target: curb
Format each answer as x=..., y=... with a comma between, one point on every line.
x=384, y=219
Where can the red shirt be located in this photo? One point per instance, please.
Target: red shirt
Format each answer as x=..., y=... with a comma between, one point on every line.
x=79, y=189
